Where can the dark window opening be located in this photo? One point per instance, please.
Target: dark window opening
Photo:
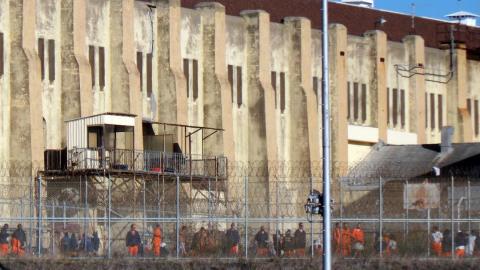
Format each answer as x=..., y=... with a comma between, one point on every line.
x=475, y=107
x=186, y=72
x=355, y=101
x=149, y=75
x=388, y=105
x=273, y=78
x=432, y=111
x=402, y=108
x=395, y=106
x=239, y=86
x=282, y=92
x=349, y=102
x=140, y=67
x=41, y=54
x=440, y=111
x=195, y=79
x=101, y=60
x=1, y=56
x=230, y=79
x=364, y=102
x=51, y=60
x=91, y=58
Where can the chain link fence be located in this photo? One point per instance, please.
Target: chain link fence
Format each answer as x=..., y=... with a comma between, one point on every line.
x=397, y=215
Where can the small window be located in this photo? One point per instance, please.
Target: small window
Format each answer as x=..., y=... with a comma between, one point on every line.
x=101, y=63
x=186, y=72
x=355, y=101
x=51, y=60
x=91, y=58
x=282, y=92
x=239, y=86
x=440, y=111
x=149, y=74
x=349, y=102
x=364, y=103
x=140, y=67
x=388, y=106
x=475, y=107
x=195, y=79
x=395, y=106
x=402, y=108
x=426, y=110
x=230, y=79
x=432, y=111
x=41, y=55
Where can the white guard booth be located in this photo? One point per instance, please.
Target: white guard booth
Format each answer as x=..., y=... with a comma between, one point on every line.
x=102, y=141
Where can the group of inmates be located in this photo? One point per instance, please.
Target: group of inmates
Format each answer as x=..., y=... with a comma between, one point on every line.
x=12, y=243
x=72, y=246
x=463, y=244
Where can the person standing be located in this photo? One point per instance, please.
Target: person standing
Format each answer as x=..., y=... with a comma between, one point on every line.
x=4, y=240
x=233, y=239
x=289, y=245
x=18, y=241
x=133, y=241
x=358, y=240
x=95, y=242
x=346, y=240
x=183, y=241
x=300, y=240
x=472, y=237
x=447, y=243
x=262, y=242
x=437, y=238
x=337, y=238
x=157, y=240
x=65, y=243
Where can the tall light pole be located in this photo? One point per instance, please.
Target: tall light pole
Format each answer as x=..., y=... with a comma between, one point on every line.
x=327, y=249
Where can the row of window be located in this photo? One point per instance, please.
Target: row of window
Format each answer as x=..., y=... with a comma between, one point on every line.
x=50, y=54
x=433, y=111
x=148, y=58
x=357, y=102
x=396, y=107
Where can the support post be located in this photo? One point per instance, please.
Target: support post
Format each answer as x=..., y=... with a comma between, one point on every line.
x=469, y=194
x=452, y=217
x=327, y=249
x=380, y=217
x=85, y=216
x=32, y=205
x=246, y=216
x=144, y=209
x=39, y=222
x=178, y=217
x=428, y=231
x=109, y=221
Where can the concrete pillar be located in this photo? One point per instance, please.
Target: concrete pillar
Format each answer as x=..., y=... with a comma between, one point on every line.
x=338, y=98
x=378, y=89
x=26, y=129
x=262, y=144
x=416, y=92
x=70, y=79
x=262, y=140
x=302, y=99
x=172, y=96
x=216, y=90
x=125, y=82
x=457, y=111
x=84, y=76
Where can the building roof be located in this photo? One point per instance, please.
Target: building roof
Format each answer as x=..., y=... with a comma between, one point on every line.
x=358, y=20
x=462, y=14
x=398, y=162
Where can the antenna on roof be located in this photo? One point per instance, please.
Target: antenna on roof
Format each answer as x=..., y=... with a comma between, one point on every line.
x=413, y=16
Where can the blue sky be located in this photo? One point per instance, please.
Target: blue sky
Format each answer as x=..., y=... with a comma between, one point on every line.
x=430, y=8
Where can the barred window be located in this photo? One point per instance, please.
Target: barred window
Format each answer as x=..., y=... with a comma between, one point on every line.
x=434, y=111
x=148, y=71
x=357, y=102
x=235, y=80
x=278, y=81
x=190, y=70
x=97, y=72
x=396, y=108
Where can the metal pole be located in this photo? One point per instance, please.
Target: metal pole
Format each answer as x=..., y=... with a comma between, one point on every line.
x=32, y=203
x=452, y=216
x=53, y=228
x=39, y=224
x=469, y=194
x=327, y=249
x=246, y=216
x=178, y=216
x=85, y=214
x=311, y=223
x=209, y=203
x=144, y=208
x=407, y=210
x=64, y=215
x=380, y=217
x=109, y=217
x=428, y=231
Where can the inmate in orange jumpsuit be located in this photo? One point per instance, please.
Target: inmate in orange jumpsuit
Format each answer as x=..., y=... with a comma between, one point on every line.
x=337, y=235
x=157, y=241
x=17, y=247
x=3, y=249
x=346, y=242
x=358, y=235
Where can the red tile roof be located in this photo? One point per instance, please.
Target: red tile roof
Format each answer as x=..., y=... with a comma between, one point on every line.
x=358, y=20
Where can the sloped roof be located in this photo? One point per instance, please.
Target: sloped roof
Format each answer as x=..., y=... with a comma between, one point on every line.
x=392, y=162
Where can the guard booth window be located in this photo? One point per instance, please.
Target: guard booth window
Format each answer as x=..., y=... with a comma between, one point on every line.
x=95, y=137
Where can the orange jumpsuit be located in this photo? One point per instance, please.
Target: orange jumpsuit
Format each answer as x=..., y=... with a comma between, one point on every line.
x=337, y=235
x=3, y=249
x=346, y=242
x=157, y=241
x=17, y=247
x=358, y=235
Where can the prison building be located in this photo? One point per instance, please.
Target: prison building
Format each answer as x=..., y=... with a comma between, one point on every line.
x=251, y=68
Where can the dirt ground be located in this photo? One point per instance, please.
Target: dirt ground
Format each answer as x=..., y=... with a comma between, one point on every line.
x=238, y=264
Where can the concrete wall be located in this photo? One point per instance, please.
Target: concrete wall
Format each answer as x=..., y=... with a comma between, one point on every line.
x=256, y=128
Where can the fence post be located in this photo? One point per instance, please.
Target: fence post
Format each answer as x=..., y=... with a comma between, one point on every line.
x=32, y=206
x=311, y=223
x=178, y=216
x=469, y=194
x=380, y=218
x=452, y=217
x=246, y=215
x=428, y=231
x=64, y=215
x=109, y=220
x=406, y=230
x=85, y=214
x=39, y=222
x=144, y=208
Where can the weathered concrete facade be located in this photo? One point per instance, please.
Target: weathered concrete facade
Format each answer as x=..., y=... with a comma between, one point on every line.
x=258, y=80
